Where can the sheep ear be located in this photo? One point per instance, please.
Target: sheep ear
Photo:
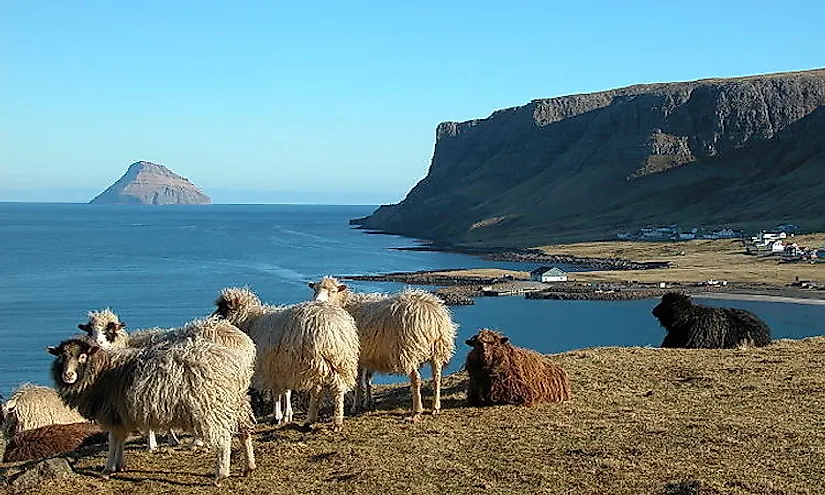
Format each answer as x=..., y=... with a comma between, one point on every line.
x=53, y=350
x=84, y=326
x=311, y=285
x=504, y=340
x=342, y=288
x=471, y=341
x=93, y=349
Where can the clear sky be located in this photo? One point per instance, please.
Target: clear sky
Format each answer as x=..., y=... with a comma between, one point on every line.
x=332, y=102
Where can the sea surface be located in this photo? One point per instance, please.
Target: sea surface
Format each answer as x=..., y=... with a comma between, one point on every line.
x=163, y=266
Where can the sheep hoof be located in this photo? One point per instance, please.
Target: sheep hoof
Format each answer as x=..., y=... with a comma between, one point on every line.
x=218, y=480
x=414, y=418
x=248, y=471
x=337, y=427
x=436, y=411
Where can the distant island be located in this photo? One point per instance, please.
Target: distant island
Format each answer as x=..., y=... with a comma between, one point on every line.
x=147, y=183
x=741, y=152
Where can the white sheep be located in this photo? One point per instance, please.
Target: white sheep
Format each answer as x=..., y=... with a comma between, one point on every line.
x=399, y=333
x=34, y=406
x=307, y=346
x=192, y=384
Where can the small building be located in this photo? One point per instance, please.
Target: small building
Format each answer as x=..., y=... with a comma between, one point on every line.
x=548, y=274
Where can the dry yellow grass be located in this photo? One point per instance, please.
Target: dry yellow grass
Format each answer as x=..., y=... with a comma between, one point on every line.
x=642, y=420
x=696, y=261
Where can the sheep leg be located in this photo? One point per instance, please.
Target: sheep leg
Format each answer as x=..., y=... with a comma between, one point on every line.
x=314, y=404
x=111, y=458
x=172, y=440
x=152, y=445
x=224, y=454
x=415, y=388
x=369, y=401
x=288, y=406
x=278, y=417
x=249, y=452
x=339, y=410
x=114, y=460
x=359, y=390
x=436, y=367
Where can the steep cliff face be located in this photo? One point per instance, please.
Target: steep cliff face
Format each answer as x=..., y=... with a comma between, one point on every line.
x=151, y=184
x=588, y=166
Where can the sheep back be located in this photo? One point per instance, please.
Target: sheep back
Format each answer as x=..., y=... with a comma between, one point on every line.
x=52, y=440
x=304, y=345
x=400, y=332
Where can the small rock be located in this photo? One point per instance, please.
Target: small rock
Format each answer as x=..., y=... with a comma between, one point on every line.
x=50, y=469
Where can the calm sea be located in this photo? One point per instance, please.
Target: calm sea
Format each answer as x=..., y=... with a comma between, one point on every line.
x=162, y=266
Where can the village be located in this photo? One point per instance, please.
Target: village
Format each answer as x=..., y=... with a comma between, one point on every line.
x=776, y=242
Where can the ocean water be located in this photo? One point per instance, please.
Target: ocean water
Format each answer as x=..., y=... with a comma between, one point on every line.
x=163, y=266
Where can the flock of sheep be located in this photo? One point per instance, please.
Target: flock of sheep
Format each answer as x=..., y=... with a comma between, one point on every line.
x=197, y=378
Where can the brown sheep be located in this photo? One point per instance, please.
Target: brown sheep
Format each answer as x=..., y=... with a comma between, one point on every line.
x=52, y=440
x=501, y=373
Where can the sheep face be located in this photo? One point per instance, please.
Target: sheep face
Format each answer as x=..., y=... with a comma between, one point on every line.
x=672, y=305
x=102, y=335
x=328, y=290
x=102, y=327
x=71, y=359
x=485, y=343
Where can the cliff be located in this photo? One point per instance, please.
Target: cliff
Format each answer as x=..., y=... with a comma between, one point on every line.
x=151, y=184
x=744, y=151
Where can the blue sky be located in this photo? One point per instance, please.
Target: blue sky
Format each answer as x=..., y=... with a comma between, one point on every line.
x=332, y=102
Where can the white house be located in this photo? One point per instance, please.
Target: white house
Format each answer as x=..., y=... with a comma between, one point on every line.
x=548, y=274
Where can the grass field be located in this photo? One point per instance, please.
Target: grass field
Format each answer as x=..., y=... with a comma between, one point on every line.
x=642, y=420
x=695, y=261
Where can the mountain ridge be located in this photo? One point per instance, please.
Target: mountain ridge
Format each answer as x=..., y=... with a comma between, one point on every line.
x=573, y=167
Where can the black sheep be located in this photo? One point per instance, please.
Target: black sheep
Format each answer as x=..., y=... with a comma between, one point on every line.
x=695, y=326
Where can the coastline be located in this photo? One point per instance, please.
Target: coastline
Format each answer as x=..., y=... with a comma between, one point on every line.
x=737, y=296
x=624, y=270
x=462, y=287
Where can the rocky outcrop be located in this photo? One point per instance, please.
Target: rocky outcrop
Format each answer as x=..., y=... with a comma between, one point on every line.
x=701, y=153
x=149, y=183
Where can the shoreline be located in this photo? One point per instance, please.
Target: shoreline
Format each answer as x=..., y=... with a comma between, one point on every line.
x=736, y=296
x=461, y=287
